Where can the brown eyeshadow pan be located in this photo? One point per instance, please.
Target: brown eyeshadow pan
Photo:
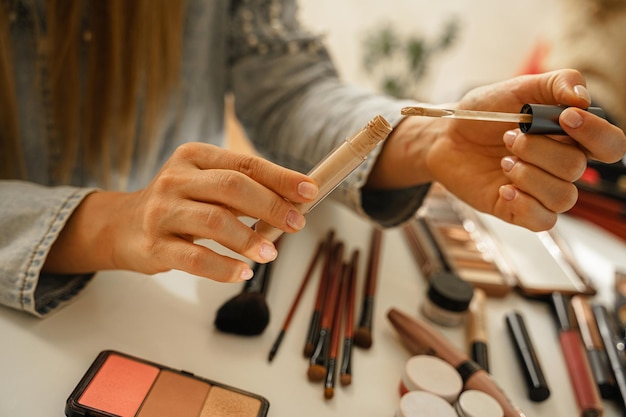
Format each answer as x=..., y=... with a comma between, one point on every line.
x=175, y=394
x=117, y=384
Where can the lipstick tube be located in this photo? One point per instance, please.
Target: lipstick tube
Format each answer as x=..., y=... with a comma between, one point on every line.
x=592, y=340
x=581, y=378
x=613, y=346
x=538, y=389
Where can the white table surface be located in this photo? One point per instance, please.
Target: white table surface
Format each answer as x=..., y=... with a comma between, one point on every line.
x=168, y=319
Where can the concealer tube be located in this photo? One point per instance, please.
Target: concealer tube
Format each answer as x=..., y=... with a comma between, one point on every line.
x=333, y=169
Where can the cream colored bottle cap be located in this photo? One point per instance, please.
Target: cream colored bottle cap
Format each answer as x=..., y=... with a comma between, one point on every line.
x=474, y=403
x=432, y=374
x=424, y=404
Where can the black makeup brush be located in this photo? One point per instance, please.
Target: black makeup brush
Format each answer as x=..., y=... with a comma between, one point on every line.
x=307, y=277
x=345, y=372
x=247, y=313
x=314, y=322
x=318, y=361
x=363, y=333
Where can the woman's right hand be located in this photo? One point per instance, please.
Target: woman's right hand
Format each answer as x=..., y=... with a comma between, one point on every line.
x=200, y=193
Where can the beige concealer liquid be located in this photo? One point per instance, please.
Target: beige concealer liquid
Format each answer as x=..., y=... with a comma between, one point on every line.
x=336, y=166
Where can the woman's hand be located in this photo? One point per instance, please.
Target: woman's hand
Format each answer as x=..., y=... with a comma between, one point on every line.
x=200, y=193
x=521, y=178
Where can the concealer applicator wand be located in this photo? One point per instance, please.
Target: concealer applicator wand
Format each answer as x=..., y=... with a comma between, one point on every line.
x=532, y=118
x=247, y=313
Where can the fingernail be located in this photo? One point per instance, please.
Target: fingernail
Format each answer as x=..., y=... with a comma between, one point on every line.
x=509, y=138
x=295, y=220
x=582, y=92
x=267, y=252
x=507, y=192
x=246, y=274
x=508, y=162
x=571, y=118
x=307, y=190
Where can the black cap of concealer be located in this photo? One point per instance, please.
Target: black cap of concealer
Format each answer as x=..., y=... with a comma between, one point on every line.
x=546, y=118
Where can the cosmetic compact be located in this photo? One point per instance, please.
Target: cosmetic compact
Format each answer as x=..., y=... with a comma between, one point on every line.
x=447, y=299
x=424, y=404
x=117, y=384
x=491, y=254
x=431, y=374
x=474, y=403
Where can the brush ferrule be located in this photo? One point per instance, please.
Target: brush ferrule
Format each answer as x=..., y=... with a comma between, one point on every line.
x=346, y=360
x=260, y=279
x=313, y=333
x=366, y=312
x=330, y=373
x=276, y=345
x=320, y=354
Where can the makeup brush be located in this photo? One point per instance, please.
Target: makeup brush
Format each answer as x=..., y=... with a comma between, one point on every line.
x=314, y=322
x=307, y=277
x=345, y=373
x=363, y=334
x=335, y=338
x=247, y=313
x=319, y=358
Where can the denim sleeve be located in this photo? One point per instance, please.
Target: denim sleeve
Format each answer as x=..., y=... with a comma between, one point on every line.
x=31, y=218
x=295, y=108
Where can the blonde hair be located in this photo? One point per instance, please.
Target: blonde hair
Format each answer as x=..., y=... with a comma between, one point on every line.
x=111, y=108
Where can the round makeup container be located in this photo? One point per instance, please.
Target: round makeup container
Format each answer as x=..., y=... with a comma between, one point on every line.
x=433, y=375
x=447, y=300
x=474, y=403
x=424, y=404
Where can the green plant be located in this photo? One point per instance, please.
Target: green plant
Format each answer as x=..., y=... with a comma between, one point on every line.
x=399, y=62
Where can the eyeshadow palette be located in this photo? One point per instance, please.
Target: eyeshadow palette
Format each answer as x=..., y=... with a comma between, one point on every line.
x=121, y=385
x=446, y=235
x=444, y=239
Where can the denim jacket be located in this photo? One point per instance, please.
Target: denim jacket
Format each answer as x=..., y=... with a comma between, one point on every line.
x=288, y=98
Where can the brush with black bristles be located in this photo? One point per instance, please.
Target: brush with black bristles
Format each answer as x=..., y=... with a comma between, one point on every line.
x=247, y=313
